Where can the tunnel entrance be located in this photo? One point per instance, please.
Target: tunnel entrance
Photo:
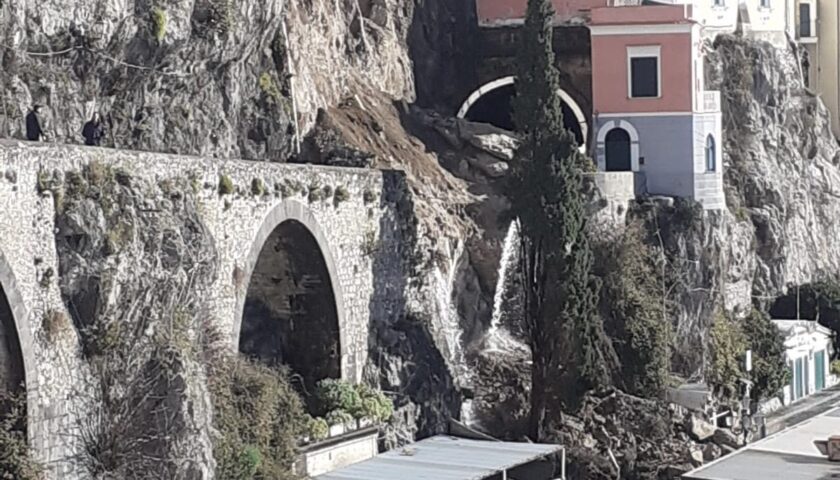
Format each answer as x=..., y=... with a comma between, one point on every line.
x=290, y=315
x=492, y=104
x=12, y=376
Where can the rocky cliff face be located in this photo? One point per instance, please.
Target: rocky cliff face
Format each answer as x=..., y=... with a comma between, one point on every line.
x=782, y=179
x=198, y=77
x=782, y=173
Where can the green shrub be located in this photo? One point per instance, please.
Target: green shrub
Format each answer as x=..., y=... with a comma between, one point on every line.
x=368, y=196
x=341, y=194
x=257, y=187
x=835, y=367
x=226, y=186
x=77, y=186
x=259, y=417
x=339, y=417
x=317, y=428
x=15, y=462
x=316, y=193
x=269, y=88
x=728, y=346
x=159, y=20
x=333, y=394
x=374, y=405
x=770, y=373
x=45, y=182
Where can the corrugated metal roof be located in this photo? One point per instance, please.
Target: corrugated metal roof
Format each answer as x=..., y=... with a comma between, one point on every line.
x=444, y=458
x=787, y=455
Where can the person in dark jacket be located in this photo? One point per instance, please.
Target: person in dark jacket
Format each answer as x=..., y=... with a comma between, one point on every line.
x=94, y=131
x=33, y=125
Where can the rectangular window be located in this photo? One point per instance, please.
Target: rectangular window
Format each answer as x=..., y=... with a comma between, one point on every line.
x=804, y=20
x=644, y=72
x=644, y=77
x=719, y=3
x=765, y=3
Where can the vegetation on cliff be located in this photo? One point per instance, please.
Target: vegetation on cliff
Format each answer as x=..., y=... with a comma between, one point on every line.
x=730, y=340
x=259, y=417
x=15, y=460
x=635, y=314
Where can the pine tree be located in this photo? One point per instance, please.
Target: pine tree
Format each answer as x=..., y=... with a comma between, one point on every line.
x=571, y=352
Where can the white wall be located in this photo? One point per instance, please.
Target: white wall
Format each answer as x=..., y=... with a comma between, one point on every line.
x=716, y=18
x=805, y=346
x=769, y=23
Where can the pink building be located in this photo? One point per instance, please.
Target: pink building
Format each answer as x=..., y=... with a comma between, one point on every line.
x=651, y=112
x=651, y=116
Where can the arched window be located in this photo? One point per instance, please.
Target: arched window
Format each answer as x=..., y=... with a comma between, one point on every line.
x=618, y=151
x=711, y=155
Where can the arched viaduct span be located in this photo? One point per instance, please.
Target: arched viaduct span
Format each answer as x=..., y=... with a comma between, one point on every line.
x=282, y=259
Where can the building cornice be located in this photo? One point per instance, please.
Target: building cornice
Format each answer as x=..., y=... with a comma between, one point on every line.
x=655, y=29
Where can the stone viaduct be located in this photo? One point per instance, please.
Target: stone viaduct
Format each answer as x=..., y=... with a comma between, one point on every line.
x=253, y=232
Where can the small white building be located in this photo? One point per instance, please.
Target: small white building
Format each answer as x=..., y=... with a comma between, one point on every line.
x=808, y=356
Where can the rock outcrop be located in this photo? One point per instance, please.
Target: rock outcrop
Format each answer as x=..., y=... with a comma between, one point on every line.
x=202, y=77
x=140, y=334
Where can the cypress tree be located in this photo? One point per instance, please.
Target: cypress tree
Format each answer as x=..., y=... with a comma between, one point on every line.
x=571, y=352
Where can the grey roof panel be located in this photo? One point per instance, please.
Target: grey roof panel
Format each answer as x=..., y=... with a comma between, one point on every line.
x=444, y=458
x=762, y=465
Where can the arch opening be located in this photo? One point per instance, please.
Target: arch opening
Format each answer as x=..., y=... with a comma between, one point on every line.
x=711, y=155
x=290, y=315
x=492, y=103
x=12, y=376
x=618, y=152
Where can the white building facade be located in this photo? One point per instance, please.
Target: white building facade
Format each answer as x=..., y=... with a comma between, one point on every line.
x=808, y=357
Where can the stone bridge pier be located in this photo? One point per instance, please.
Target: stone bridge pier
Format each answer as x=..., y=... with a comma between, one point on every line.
x=283, y=258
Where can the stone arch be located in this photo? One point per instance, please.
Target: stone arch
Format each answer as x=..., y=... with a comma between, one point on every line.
x=601, y=140
x=14, y=322
x=567, y=99
x=290, y=282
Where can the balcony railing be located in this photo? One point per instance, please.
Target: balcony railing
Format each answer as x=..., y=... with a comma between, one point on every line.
x=710, y=102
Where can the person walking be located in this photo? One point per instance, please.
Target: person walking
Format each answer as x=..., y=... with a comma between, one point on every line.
x=33, y=125
x=94, y=131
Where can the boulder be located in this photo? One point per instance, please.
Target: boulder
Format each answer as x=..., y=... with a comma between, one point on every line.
x=698, y=429
x=489, y=165
x=711, y=452
x=725, y=438
x=696, y=456
x=448, y=129
x=485, y=137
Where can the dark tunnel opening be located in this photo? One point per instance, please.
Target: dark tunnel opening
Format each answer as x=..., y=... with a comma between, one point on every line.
x=290, y=315
x=495, y=108
x=12, y=378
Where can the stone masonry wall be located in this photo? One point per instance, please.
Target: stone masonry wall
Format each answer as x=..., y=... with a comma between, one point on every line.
x=346, y=231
